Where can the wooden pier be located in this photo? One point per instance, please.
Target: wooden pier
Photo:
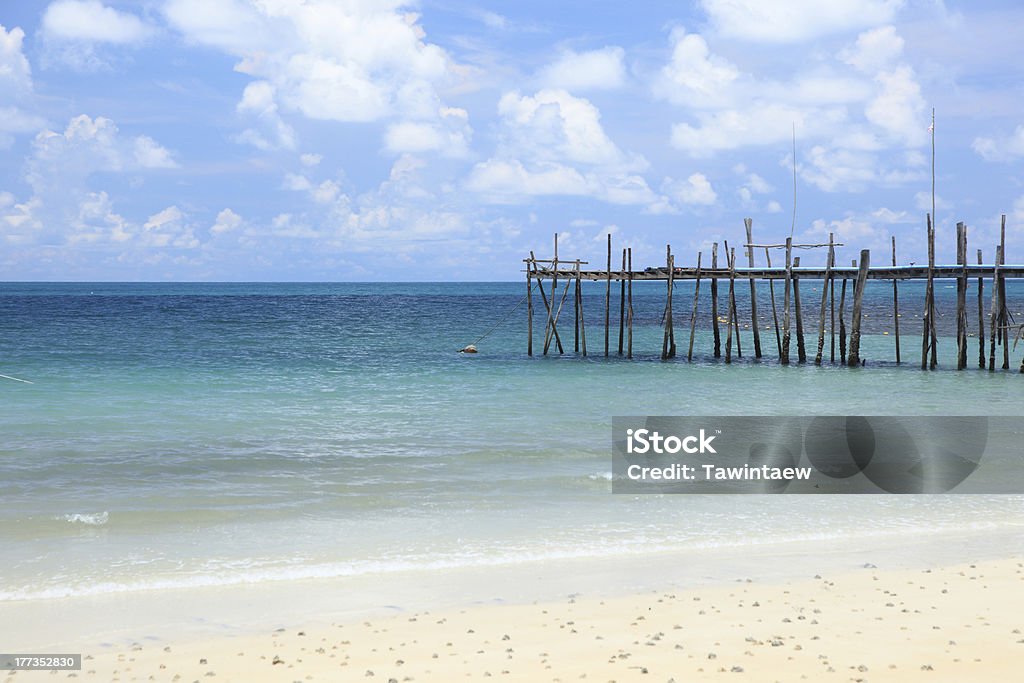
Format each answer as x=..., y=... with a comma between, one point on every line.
x=1002, y=331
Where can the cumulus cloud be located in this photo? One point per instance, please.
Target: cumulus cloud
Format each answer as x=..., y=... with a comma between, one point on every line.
x=227, y=221
x=790, y=21
x=269, y=131
x=553, y=143
x=768, y=123
x=1001, y=148
x=874, y=50
x=694, y=190
x=694, y=76
x=92, y=21
x=15, y=88
x=361, y=60
x=448, y=135
x=88, y=145
x=580, y=71
x=898, y=108
x=168, y=228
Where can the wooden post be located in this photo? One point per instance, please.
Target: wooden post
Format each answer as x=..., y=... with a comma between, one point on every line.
x=994, y=330
x=554, y=320
x=896, y=302
x=824, y=301
x=549, y=328
x=576, y=314
x=608, y=296
x=729, y=316
x=775, y=312
x=554, y=267
x=858, y=302
x=785, y=301
x=981, y=317
x=832, y=304
x=1004, y=315
x=693, y=314
x=629, y=303
x=928, y=340
x=579, y=305
x=842, y=321
x=529, y=311
x=933, y=359
x=668, y=340
x=801, y=350
x=622, y=301
x=714, y=300
x=749, y=225
x=961, y=297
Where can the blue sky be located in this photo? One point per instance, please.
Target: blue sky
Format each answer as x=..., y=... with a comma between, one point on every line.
x=381, y=140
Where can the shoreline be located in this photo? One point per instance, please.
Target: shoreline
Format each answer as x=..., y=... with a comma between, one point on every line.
x=116, y=623
x=947, y=623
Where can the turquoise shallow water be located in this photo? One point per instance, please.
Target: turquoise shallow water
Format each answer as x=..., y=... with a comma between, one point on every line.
x=197, y=434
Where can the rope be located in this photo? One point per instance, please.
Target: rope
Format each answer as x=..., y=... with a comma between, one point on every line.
x=506, y=317
x=16, y=379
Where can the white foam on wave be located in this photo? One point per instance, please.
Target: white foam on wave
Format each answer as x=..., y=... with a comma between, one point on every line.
x=600, y=476
x=87, y=518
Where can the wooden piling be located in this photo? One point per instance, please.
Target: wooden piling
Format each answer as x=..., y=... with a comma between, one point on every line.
x=1004, y=314
x=549, y=328
x=896, y=302
x=554, y=320
x=579, y=307
x=981, y=317
x=842, y=322
x=961, y=297
x=928, y=340
x=576, y=314
x=668, y=339
x=994, y=316
x=693, y=314
x=622, y=302
x=733, y=312
x=858, y=302
x=730, y=313
x=529, y=311
x=801, y=350
x=824, y=301
x=832, y=304
x=785, y=301
x=608, y=296
x=629, y=303
x=749, y=225
x=775, y=312
x=714, y=300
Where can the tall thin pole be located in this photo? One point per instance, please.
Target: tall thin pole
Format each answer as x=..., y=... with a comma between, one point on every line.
x=785, y=301
x=749, y=225
x=622, y=301
x=529, y=312
x=693, y=315
x=608, y=296
x=896, y=301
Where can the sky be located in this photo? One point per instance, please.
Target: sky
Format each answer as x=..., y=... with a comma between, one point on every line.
x=366, y=140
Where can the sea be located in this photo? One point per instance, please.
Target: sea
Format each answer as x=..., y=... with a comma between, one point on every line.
x=172, y=436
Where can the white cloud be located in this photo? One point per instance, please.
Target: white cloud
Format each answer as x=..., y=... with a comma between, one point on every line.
x=1005, y=148
x=15, y=88
x=594, y=70
x=694, y=76
x=694, y=190
x=360, y=60
x=898, y=108
x=270, y=132
x=762, y=123
x=788, y=21
x=97, y=222
x=92, y=21
x=168, y=228
x=150, y=154
x=227, y=221
x=874, y=50
x=552, y=143
x=310, y=160
x=449, y=135
x=553, y=125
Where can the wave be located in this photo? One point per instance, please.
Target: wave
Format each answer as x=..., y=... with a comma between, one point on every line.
x=87, y=518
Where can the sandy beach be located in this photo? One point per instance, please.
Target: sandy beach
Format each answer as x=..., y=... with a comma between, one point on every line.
x=953, y=623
